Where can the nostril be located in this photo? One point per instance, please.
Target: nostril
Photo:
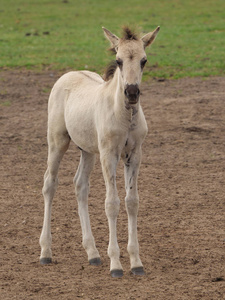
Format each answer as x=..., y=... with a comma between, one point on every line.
x=132, y=90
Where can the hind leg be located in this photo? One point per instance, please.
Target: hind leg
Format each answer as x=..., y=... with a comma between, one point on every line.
x=81, y=181
x=58, y=143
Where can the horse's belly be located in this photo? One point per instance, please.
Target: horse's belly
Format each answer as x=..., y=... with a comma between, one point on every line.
x=84, y=139
x=81, y=128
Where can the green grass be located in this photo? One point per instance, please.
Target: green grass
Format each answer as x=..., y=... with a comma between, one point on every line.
x=67, y=34
x=6, y=103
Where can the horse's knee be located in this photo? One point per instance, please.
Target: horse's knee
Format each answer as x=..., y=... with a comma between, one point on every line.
x=132, y=205
x=112, y=208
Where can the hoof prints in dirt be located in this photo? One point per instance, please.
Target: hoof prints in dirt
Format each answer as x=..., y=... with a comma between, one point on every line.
x=181, y=187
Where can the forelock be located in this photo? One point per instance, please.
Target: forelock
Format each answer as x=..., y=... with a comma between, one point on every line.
x=129, y=34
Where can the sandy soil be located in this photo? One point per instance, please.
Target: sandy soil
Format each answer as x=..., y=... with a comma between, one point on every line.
x=181, y=220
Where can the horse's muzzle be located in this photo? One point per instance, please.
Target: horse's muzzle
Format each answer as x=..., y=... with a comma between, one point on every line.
x=132, y=93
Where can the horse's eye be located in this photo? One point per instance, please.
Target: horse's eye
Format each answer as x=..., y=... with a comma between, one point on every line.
x=119, y=62
x=143, y=62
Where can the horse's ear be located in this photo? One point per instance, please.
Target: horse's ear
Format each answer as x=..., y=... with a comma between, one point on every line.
x=149, y=38
x=114, y=40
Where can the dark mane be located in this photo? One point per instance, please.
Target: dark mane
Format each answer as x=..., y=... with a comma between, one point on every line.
x=110, y=70
x=129, y=34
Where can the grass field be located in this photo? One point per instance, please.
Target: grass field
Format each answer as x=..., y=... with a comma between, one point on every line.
x=67, y=34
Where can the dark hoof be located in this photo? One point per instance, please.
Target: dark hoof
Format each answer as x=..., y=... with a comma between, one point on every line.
x=117, y=273
x=45, y=261
x=95, y=261
x=138, y=271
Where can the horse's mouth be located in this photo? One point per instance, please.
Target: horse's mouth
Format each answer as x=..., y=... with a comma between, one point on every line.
x=132, y=100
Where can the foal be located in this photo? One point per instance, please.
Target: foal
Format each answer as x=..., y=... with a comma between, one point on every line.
x=105, y=117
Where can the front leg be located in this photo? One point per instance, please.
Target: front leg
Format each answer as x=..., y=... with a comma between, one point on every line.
x=131, y=169
x=109, y=161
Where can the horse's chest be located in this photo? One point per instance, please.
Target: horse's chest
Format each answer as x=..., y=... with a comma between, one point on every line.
x=136, y=132
x=133, y=126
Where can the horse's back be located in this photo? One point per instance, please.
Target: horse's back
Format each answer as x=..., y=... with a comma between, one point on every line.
x=71, y=83
x=77, y=79
x=74, y=82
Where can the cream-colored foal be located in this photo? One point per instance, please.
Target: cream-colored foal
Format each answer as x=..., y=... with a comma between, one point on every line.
x=105, y=117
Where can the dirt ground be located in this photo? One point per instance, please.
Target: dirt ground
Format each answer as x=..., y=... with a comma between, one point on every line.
x=181, y=222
